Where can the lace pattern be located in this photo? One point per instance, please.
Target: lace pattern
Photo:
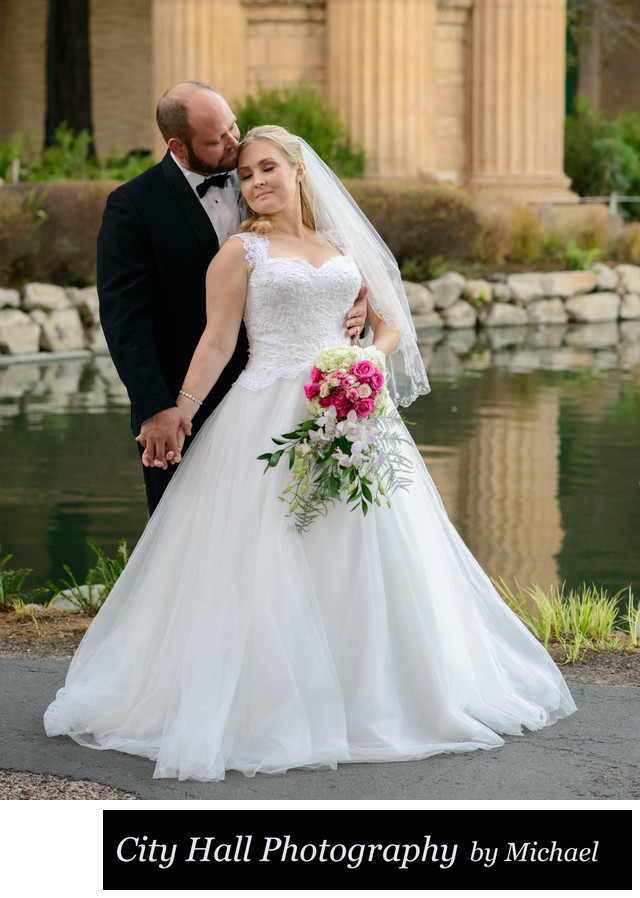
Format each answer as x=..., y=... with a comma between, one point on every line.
x=293, y=311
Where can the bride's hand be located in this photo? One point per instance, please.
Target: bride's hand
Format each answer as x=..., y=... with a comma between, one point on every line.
x=357, y=316
x=163, y=436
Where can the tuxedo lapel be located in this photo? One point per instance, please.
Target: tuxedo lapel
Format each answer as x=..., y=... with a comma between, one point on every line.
x=191, y=206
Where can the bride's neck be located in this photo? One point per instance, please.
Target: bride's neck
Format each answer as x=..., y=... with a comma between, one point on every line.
x=289, y=225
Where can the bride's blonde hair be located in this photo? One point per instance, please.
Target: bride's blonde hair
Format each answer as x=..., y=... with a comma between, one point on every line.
x=292, y=150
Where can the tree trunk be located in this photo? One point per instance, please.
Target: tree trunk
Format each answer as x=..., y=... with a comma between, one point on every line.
x=68, y=68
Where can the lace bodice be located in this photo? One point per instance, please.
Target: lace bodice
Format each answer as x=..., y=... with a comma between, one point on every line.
x=293, y=311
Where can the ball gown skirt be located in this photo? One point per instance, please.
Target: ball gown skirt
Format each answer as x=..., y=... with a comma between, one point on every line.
x=231, y=641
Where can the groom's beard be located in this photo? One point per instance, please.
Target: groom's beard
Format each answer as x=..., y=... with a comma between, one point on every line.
x=226, y=163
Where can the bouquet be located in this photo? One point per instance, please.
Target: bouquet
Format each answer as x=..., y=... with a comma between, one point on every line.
x=346, y=449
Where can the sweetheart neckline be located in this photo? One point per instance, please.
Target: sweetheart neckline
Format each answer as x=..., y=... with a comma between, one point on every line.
x=304, y=261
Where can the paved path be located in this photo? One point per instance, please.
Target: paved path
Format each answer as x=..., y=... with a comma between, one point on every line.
x=594, y=754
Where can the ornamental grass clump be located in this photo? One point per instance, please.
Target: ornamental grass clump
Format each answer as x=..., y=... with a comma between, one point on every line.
x=578, y=620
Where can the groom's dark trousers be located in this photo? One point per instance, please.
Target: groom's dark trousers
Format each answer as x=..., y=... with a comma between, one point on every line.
x=154, y=247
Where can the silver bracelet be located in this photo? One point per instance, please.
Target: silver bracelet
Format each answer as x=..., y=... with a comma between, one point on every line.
x=189, y=396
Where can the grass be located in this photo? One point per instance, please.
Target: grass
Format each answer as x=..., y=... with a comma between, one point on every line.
x=578, y=619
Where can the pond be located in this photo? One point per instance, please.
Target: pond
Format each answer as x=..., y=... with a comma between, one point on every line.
x=531, y=435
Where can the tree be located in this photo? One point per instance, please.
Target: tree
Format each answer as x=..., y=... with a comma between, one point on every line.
x=305, y=113
x=68, y=68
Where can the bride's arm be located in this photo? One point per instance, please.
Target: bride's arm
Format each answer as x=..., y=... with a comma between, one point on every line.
x=227, y=278
x=385, y=337
x=226, y=284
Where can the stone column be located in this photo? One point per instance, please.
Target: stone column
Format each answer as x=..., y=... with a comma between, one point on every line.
x=517, y=99
x=381, y=78
x=201, y=40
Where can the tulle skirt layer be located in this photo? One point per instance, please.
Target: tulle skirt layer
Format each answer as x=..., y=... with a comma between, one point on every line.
x=233, y=642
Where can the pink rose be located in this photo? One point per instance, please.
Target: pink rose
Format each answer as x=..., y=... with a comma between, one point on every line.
x=352, y=394
x=376, y=381
x=311, y=390
x=316, y=375
x=363, y=370
x=364, y=407
x=341, y=404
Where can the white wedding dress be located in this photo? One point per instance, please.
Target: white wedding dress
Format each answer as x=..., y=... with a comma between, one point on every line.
x=231, y=641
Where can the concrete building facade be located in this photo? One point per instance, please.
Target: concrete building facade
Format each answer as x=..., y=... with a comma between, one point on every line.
x=464, y=91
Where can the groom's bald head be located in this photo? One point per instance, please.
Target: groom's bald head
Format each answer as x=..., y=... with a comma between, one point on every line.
x=172, y=112
x=199, y=127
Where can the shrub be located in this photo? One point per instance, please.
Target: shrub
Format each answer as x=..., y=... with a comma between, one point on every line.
x=48, y=232
x=302, y=111
x=424, y=225
x=12, y=589
x=21, y=220
x=69, y=158
x=602, y=156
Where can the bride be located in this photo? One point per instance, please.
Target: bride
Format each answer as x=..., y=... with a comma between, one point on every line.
x=234, y=641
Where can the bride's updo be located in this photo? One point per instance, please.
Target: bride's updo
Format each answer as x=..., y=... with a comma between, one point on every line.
x=291, y=148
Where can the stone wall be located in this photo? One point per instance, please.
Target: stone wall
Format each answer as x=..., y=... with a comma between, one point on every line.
x=599, y=295
x=48, y=318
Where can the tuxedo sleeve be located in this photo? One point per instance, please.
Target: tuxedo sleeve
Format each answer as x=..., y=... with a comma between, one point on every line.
x=125, y=290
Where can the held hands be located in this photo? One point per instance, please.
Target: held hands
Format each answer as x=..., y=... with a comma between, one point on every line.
x=162, y=436
x=357, y=316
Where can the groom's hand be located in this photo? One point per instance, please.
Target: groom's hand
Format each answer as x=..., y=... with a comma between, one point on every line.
x=357, y=316
x=162, y=436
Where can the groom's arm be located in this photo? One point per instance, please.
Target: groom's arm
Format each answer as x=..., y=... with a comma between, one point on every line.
x=125, y=289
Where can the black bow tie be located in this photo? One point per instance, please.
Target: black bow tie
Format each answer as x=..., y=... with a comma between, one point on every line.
x=214, y=181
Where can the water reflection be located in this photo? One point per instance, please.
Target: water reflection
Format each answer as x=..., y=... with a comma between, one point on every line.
x=532, y=436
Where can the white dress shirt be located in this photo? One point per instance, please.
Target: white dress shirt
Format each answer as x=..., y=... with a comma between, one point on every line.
x=223, y=205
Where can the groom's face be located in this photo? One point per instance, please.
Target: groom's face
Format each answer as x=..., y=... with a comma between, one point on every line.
x=213, y=146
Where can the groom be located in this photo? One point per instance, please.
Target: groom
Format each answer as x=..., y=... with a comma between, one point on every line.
x=159, y=233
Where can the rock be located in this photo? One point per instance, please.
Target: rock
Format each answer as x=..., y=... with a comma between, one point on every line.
x=629, y=278
x=629, y=306
x=96, y=340
x=478, y=293
x=568, y=283
x=547, y=311
x=85, y=300
x=446, y=290
x=419, y=297
x=61, y=329
x=68, y=600
x=593, y=308
x=523, y=288
x=47, y=297
x=428, y=321
x=9, y=298
x=630, y=331
x=500, y=292
x=18, y=333
x=502, y=315
x=607, y=277
x=460, y=314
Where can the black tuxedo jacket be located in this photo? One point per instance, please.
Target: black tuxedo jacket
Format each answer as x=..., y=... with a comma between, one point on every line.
x=154, y=247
